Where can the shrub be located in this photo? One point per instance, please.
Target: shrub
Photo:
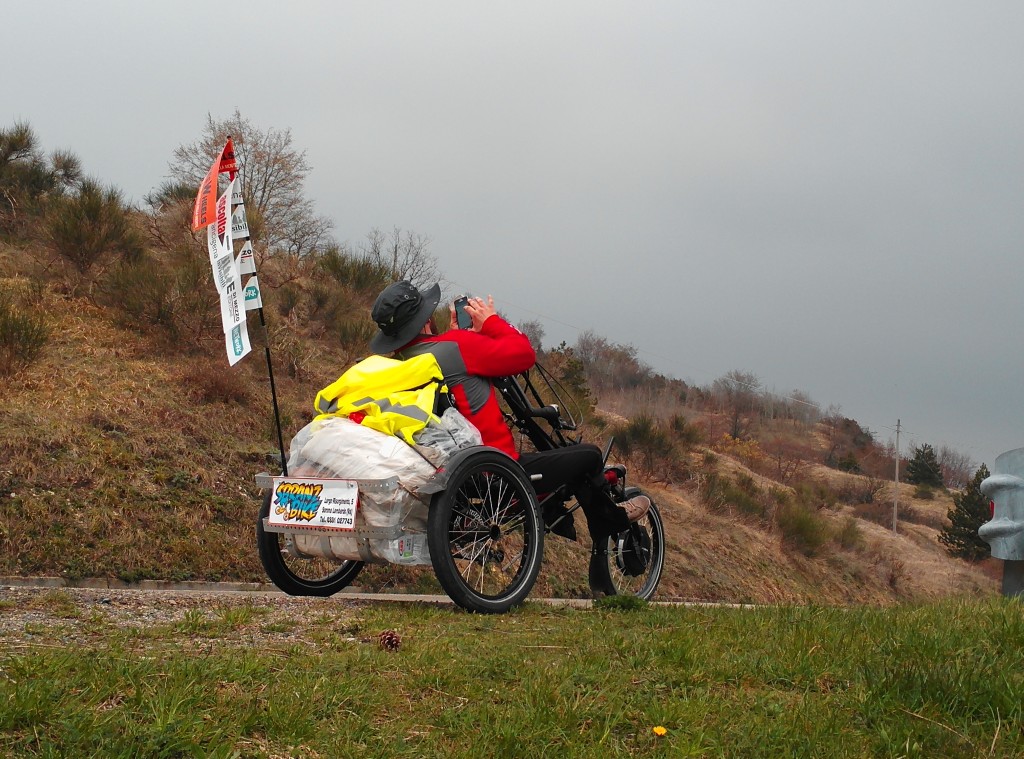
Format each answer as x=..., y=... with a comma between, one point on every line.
x=815, y=495
x=746, y=450
x=29, y=180
x=22, y=337
x=684, y=433
x=879, y=513
x=741, y=494
x=213, y=382
x=850, y=534
x=802, y=528
x=645, y=440
x=356, y=333
x=173, y=298
x=924, y=493
x=361, y=273
x=860, y=490
x=845, y=463
x=620, y=603
x=86, y=227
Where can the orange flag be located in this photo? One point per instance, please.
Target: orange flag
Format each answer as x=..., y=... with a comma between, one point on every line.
x=204, y=212
x=227, y=160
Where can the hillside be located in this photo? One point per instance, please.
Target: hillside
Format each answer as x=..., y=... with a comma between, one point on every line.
x=122, y=458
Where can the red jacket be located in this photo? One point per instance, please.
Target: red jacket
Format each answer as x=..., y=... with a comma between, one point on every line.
x=468, y=361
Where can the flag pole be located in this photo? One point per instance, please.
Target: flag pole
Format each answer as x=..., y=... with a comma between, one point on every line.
x=273, y=394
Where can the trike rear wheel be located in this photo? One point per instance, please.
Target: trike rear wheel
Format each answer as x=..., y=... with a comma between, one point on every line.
x=485, y=534
x=298, y=575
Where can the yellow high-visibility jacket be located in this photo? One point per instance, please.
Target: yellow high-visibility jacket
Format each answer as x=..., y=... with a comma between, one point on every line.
x=398, y=397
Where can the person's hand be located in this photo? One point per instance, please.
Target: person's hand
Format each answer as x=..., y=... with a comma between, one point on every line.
x=479, y=310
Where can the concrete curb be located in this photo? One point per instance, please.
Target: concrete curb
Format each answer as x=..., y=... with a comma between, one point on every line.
x=350, y=593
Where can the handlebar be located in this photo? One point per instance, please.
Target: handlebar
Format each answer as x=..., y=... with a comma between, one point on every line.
x=551, y=414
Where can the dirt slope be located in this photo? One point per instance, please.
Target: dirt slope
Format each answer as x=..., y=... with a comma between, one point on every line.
x=118, y=459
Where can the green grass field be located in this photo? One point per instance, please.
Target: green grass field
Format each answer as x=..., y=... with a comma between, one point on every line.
x=943, y=680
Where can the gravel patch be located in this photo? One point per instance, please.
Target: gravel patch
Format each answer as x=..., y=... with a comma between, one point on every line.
x=80, y=616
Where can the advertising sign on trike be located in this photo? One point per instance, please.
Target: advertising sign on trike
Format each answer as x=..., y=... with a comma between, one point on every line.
x=314, y=502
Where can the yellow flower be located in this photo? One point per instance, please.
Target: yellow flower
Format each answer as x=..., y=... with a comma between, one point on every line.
x=659, y=731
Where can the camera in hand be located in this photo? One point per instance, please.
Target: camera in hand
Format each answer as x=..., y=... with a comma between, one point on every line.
x=462, y=317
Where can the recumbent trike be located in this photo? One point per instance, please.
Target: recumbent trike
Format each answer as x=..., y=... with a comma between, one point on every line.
x=479, y=521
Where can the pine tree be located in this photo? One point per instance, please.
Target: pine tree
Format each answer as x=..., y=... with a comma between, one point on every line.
x=924, y=468
x=970, y=511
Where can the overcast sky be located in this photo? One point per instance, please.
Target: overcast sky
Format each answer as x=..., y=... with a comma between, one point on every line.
x=828, y=195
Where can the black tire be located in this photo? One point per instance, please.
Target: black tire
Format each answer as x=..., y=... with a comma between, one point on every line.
x=295, y=575
x=636, y=556
x=485, y=534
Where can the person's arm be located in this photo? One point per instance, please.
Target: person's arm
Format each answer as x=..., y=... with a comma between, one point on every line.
x=493, y=348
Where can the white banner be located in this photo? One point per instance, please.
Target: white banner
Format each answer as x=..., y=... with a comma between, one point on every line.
x=232, y=304
x=236, y=192
x=245, y=261
x=221, y=261
x=237, y=343
x=229, y=283
x=314, y=502
x=219, y=245
x=252, y=294
x=239, y=226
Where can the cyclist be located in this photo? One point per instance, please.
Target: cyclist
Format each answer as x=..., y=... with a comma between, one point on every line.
x=469, y=359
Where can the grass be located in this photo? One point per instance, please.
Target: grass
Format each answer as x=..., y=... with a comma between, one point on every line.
x=936, y=680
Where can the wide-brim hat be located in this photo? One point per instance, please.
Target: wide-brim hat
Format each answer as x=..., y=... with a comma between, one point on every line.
x=400, y=312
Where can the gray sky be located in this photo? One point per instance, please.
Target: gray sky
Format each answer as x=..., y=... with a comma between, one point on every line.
x=827, y=195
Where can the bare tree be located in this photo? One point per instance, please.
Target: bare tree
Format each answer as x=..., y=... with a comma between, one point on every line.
x=957, y=468
x=802, y=408
x=404, y=254
x=833, y=420
x=272, y=172
x=737, y=392
x=534, y=330
x=611, y=366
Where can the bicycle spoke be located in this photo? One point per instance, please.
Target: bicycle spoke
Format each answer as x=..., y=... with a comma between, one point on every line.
x=514, y=561
x=515, y=524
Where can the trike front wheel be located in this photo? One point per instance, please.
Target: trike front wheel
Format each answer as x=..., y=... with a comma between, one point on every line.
x=636, y=555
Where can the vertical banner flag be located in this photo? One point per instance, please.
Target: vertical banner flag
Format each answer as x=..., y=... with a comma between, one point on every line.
x=228, y=280
x=224, y=220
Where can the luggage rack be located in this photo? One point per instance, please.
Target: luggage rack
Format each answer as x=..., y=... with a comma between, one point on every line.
x=265, y=481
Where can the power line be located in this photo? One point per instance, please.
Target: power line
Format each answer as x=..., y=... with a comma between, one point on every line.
x=579, y=330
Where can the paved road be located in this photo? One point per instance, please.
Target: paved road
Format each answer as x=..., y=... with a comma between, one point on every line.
x=352, y=593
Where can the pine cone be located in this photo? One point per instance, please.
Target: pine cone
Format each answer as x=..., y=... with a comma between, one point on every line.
x=389, y=640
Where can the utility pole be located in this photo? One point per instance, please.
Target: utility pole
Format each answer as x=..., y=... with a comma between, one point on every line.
x=896, y=482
